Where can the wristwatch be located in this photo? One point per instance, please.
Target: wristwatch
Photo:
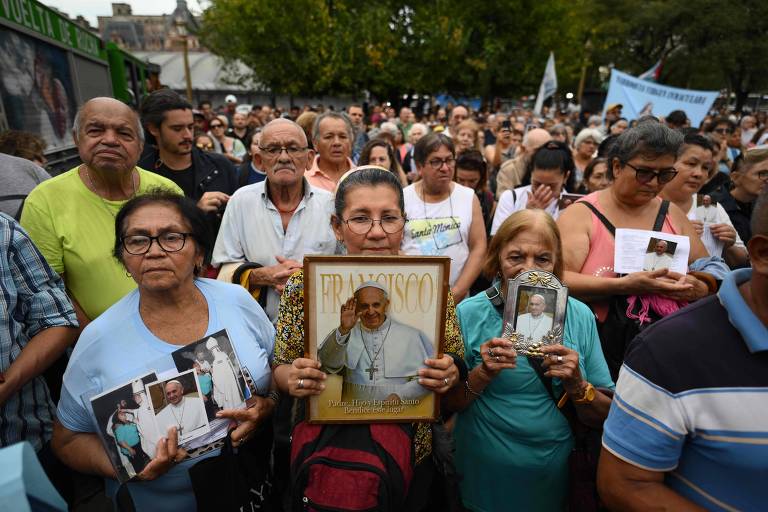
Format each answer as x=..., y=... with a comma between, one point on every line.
x=587, y=397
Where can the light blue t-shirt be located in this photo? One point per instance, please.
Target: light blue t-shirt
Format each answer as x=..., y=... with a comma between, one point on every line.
x=117, y=346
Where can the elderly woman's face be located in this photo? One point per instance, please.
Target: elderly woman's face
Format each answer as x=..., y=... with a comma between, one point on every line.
x=365, y=203
x=465, y=139
x=637, y=181
x=158, y=269
x=529, y=250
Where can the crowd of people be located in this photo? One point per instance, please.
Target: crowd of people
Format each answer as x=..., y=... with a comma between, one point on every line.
x=180, y=222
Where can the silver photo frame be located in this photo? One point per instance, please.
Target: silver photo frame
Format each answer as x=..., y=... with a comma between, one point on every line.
x=534, y=311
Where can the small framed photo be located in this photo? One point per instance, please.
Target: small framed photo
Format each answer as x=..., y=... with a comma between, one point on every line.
x=178, y=402
x=371, y=322
x=126, y=426
x=218, y=370
x=534, y=311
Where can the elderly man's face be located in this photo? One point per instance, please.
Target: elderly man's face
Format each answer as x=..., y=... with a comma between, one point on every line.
x=174, y=393
x=108, y=140
x=282, y=169
x=415, y=135
x=660, y=247
x=372, y=307
x=707, y=201
x=536, y=305
x=138, y=398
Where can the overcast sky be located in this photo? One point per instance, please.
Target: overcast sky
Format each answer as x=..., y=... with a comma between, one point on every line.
x=92, y=8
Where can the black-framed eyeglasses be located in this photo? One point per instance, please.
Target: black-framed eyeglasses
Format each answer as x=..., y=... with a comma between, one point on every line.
x=722, y=131
x=644, y=175
x=437, y=163
x=140, y=244
x=361, y=225
x=274, y=151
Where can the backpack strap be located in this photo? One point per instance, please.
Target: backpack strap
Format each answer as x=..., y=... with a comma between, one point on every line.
x=663, y=209
x=16, y=197
x=657, y=225
x=608, y=225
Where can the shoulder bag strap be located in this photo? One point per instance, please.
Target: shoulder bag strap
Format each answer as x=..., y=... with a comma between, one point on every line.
x=661, y=215
x=608, y=225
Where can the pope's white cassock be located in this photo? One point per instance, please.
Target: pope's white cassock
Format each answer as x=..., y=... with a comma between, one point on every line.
x=655, y=262
x=145, y=419
x=378, y=362
x=188, y=416
x=226, y=390
x=533, y=328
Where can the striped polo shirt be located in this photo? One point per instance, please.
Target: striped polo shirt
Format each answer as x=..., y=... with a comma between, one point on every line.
x=692, y=401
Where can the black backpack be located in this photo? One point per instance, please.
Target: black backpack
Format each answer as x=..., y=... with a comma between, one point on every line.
x=351, y=467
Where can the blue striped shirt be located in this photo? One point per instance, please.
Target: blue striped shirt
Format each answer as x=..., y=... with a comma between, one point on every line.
x=32, y=298
x=692, y=402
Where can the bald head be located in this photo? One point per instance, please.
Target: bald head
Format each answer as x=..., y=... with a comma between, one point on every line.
x=536, y=138
x=108, y=136
x=282, y=123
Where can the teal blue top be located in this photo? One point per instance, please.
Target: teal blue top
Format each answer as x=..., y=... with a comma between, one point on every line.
x=512, y=443
x=127, y=433
x=206, y=383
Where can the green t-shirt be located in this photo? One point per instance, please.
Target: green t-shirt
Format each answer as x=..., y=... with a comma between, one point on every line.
x=75, y=230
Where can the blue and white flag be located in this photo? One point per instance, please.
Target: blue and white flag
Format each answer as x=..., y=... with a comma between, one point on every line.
x=639, y=97
x=548, y=84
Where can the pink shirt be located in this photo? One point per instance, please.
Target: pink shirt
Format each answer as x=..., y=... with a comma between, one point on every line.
x=599, y=261
x=319, y=179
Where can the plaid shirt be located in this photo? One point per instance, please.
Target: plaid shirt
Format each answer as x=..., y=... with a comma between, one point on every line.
x=32, y=298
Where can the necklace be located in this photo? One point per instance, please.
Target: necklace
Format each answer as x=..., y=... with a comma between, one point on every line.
x=103, y=201
x=373, y=368
x=179, y=420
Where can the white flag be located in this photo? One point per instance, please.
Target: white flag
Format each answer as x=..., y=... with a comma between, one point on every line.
x=548, y=84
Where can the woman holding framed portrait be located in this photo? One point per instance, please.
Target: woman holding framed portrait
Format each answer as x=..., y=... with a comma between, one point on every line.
x=369, y=220
x=512, y=442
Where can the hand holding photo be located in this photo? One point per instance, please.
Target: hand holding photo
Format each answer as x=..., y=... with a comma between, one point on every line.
x=372, y=322
x=534, y=311
x=639, y=250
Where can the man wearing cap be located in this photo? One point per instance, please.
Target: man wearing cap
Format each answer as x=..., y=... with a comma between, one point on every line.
x=612, y=114
x=226, y=390
x=380, y=356
x=230, y=106
x=185, y=413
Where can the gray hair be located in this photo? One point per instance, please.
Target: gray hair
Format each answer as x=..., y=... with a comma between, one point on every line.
x=649, y=139
x=79, y=121
x=333, y=115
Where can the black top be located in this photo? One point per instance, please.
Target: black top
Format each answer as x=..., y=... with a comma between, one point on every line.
x=184, y=178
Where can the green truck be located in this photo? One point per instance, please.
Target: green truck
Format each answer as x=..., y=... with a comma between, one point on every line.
x=49, y=66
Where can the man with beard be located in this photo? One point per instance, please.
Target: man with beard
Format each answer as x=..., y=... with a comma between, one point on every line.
x=207, y=178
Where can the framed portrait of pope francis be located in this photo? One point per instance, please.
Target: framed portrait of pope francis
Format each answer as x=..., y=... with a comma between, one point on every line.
x=534, y=311
x=372, y=321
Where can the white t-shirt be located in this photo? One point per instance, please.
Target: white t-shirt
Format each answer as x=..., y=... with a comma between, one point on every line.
x=510, y=203
x=439, y=229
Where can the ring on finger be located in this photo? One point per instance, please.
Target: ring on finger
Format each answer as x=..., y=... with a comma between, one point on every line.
x=559, y=359
x=301, y=384
x=490, y=353
x=498, y=359
x=446, y=381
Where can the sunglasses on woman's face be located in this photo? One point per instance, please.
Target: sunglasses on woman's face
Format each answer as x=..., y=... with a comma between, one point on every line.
x=204, y=147
x=216, y=126
x=644, y=175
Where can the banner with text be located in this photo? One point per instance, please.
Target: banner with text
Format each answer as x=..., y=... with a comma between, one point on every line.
x=640, y=97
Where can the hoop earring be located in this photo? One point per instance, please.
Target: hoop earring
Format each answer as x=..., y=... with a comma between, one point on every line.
x=128, y=274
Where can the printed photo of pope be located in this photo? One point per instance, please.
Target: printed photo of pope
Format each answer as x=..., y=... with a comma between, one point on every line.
x=378, y=357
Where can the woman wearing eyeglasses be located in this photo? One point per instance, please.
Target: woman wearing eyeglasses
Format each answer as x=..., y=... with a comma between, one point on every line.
x=444, y=218
x=642, y=160
x=162, y=240
x=230, y=147
x=368, y=220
